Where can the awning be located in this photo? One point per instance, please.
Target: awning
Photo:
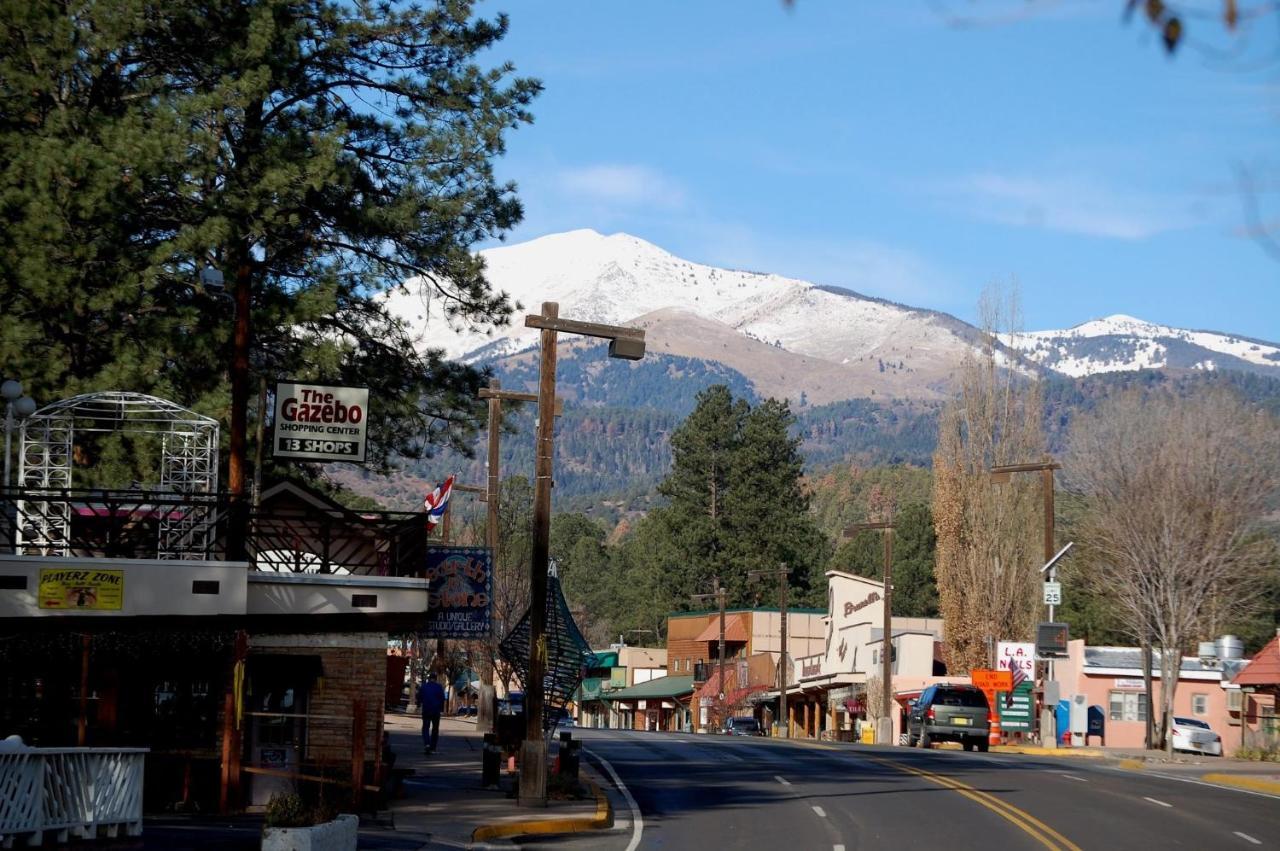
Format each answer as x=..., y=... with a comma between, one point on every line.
x=735, y=629
x=662, y=687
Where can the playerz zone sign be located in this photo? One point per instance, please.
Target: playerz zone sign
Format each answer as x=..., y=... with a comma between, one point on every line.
x=315, y=422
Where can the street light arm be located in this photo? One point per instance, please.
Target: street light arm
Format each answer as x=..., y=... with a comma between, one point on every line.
x=586, y=329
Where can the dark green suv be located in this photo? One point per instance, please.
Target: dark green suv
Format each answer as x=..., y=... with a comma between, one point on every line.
x=950, y=713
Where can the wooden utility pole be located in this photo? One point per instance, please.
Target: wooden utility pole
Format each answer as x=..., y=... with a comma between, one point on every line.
x=884, y=727
x=626, y=343
x=495, y=396
x=783, y=573
x=1001, y=475
x=719, y=596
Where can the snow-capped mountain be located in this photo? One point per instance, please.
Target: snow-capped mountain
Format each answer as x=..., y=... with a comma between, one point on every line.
x=792, y=338
x=788, y=336
x=1120, y=343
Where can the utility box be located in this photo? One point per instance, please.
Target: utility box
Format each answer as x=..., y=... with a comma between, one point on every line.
x=1079, y=719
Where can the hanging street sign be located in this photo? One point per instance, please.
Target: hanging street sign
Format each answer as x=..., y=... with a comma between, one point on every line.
x=320, y=422
x=1053, y=593
x=459, y=592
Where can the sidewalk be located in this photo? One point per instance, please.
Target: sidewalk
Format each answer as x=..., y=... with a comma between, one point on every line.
x=443, y=805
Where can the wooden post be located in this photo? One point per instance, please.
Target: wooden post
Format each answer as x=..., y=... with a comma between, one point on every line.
x=82, y=727
x=885, y=733
x=493, y=483
x=228, y=737
x=533, y=699
x=377, y=751
x=357, y=751
x=791, y=720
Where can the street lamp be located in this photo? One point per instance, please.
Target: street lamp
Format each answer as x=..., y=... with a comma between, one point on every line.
x=17, y=407
x=626, y=343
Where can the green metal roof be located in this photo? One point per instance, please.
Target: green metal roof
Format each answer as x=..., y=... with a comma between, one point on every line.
x=661, y=687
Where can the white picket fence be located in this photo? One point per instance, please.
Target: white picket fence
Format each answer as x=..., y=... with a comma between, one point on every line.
x=72, y=791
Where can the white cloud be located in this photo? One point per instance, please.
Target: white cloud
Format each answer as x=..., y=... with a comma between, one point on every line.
x=1071, y=205
x=621, y=184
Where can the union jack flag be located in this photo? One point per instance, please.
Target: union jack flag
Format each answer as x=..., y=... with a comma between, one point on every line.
x=436, y=502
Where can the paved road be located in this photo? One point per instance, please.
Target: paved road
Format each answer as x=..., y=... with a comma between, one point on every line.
x=706, y=792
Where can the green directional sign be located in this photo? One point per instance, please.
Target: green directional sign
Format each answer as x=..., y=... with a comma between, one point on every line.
x=1016, y=709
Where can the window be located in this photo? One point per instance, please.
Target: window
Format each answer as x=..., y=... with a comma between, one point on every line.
x=1233, y=699
x=1128, y=706
x=1199, y=704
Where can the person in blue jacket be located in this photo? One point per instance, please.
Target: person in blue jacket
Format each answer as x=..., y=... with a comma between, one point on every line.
x=431, y=701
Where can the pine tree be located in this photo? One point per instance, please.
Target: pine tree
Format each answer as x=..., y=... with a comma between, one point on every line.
x=318, y=153
x=736, y=500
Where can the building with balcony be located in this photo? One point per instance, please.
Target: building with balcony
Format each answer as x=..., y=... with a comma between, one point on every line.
x=245, y=645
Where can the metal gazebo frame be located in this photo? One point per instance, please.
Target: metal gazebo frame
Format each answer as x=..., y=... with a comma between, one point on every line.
x=188, y=465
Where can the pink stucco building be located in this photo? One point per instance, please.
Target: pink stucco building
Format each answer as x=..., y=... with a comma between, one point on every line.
x=1111, y=677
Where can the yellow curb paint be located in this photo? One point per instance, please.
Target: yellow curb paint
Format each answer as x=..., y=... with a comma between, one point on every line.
x=1029, y=824
x=1133, y=764
x=1036, y=751
x=1256, y=784
x=602, y=820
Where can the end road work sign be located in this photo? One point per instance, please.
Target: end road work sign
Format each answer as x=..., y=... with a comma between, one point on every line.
x=318, y=422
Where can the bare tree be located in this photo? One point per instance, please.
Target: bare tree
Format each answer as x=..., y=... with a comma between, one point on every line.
x=511, y=567
x=989, y=538
x=1175, y=490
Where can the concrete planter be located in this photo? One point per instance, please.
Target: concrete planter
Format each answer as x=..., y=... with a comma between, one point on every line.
x=336, y=835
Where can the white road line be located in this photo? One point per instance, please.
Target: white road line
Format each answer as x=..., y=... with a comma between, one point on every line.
x=1247, y=838
x=1073, y=777
x=821, y=812
x=637, y=821
x=837, y=848
x=784, y=781
x=1151, y=774
x=1154, y=801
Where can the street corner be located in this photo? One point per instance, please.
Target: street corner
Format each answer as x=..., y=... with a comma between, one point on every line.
x=1266, y=785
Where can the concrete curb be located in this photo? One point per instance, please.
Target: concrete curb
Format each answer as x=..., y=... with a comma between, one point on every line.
x=1253, y=784
x=602, y=820
x=1035, y=750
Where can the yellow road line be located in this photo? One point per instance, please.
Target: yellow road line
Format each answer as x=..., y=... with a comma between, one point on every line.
x=1031, y=825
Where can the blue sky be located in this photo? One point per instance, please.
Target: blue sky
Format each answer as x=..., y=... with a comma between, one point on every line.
x=873, y=144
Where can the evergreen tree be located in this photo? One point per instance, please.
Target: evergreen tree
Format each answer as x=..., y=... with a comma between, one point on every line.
x=318, y=153
x=704, y=449
x=735, y=501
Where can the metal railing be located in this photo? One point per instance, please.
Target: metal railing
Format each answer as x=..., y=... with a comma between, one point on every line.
x=152, y=524
x=70, y=791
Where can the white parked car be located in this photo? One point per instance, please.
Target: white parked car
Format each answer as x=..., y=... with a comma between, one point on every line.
x=1195, y=736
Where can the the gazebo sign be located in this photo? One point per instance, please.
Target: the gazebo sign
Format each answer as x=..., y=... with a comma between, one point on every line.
x=318, y=422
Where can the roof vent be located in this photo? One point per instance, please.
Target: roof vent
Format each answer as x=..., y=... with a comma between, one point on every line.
x=1230, y=647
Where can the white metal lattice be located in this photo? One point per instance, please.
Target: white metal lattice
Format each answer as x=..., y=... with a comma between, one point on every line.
x=188, y=465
